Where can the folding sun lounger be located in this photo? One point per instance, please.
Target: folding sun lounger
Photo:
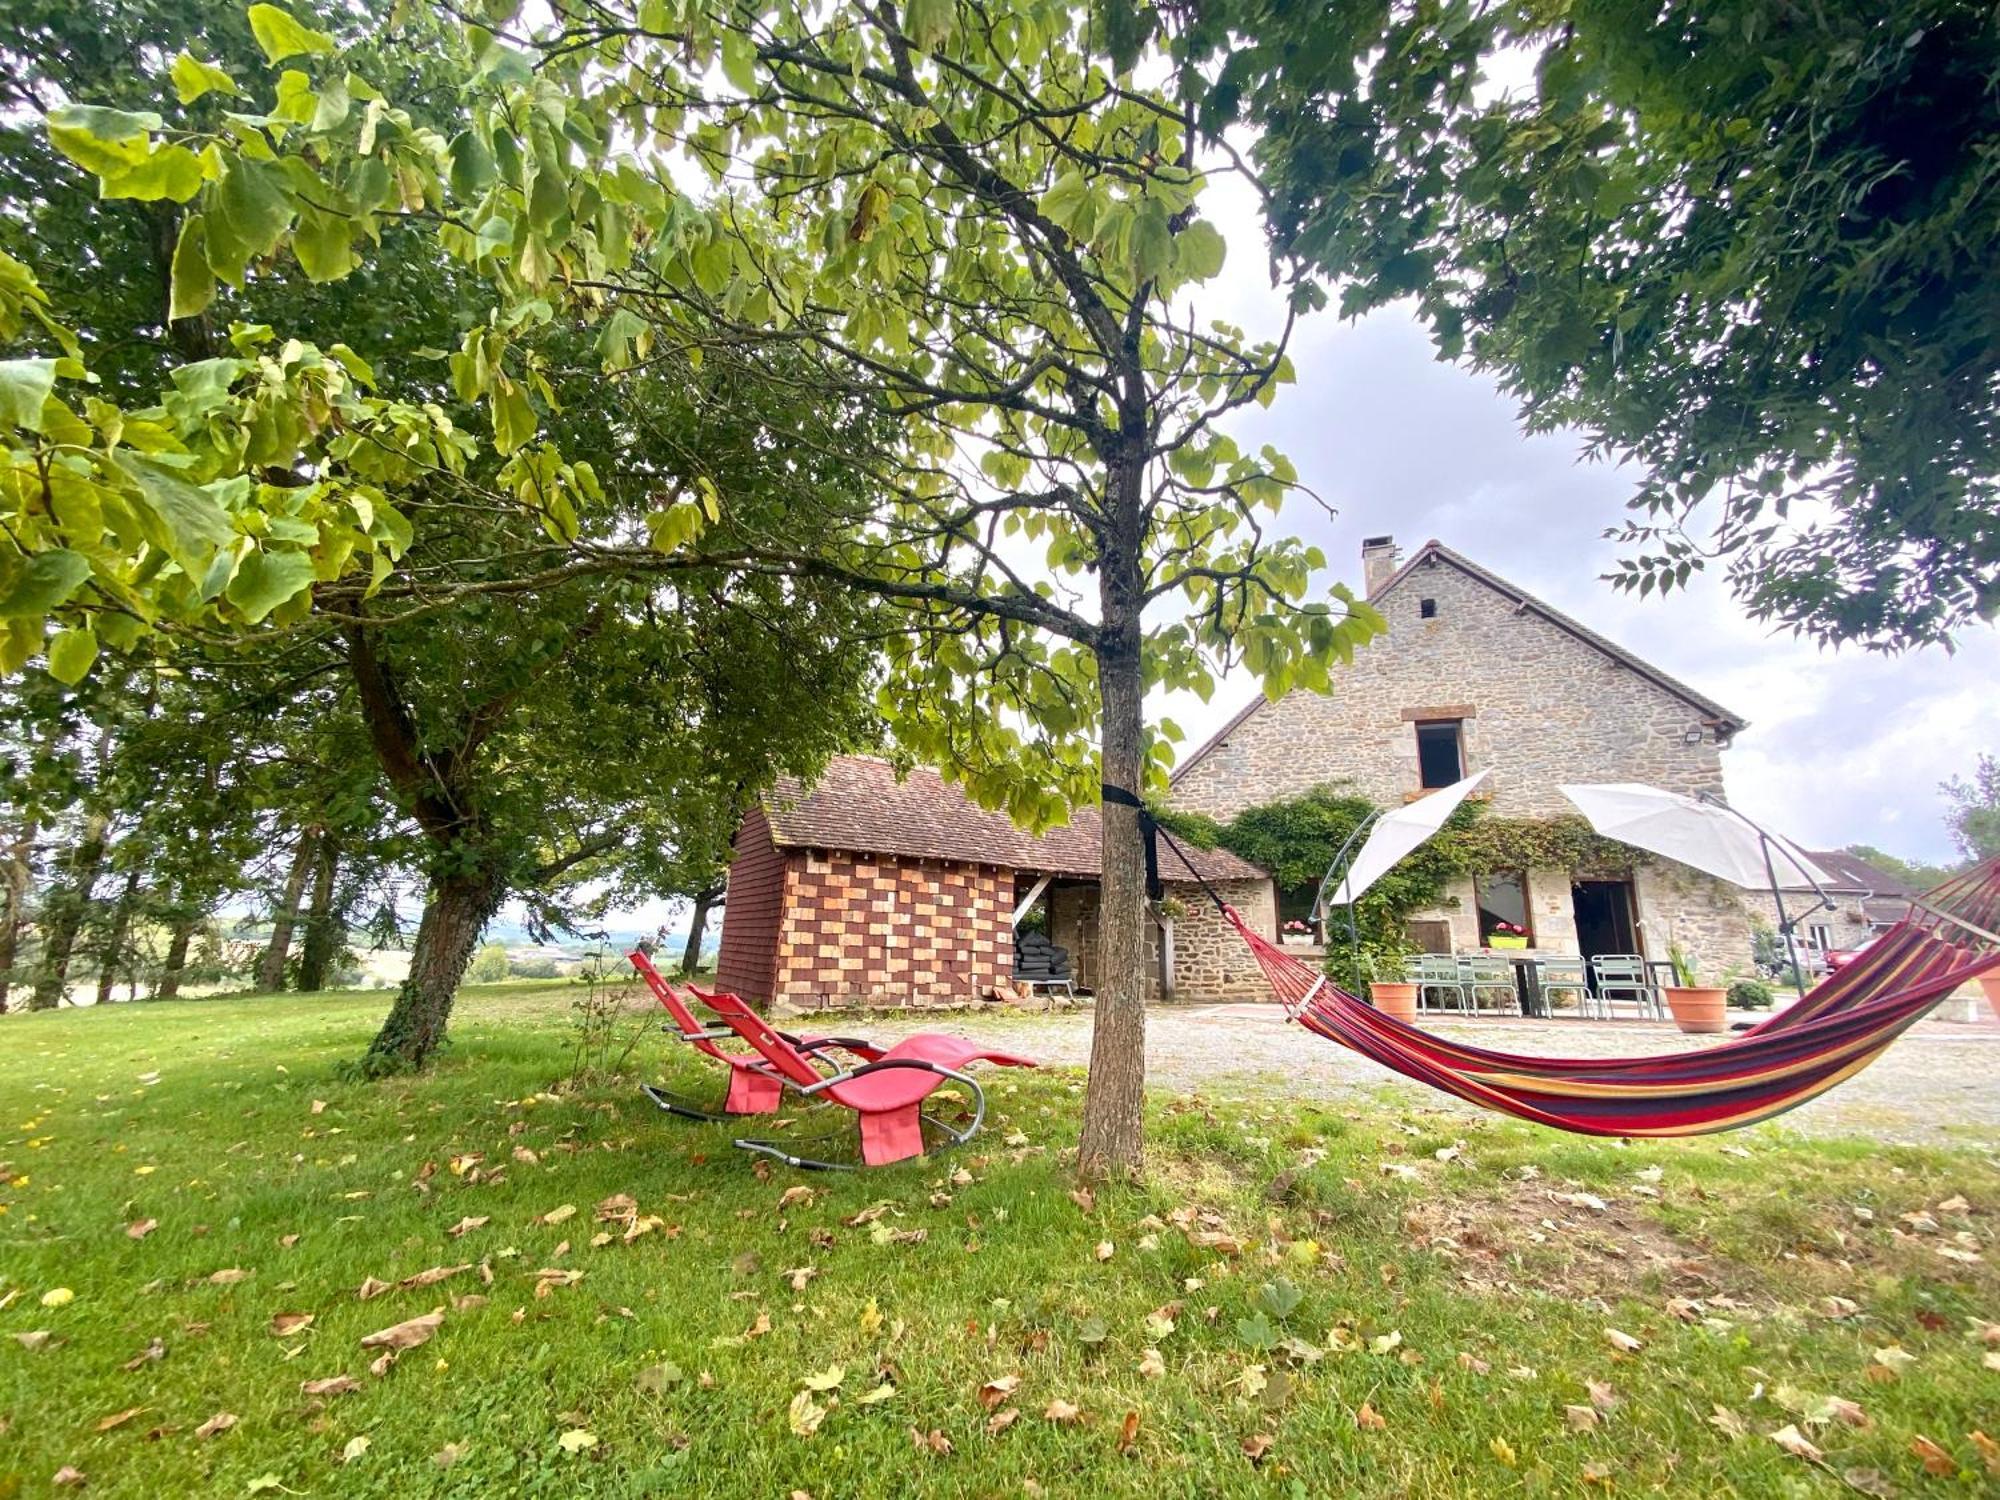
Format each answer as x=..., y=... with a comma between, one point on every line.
x=753, y=1088
x=886, y=1092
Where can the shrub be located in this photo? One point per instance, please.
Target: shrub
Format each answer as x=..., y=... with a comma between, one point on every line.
x=534, y=968
x=1750, y=994
x=489, y=965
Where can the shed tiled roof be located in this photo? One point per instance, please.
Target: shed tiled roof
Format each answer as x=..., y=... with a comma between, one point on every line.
x=1853, y=873
x=861, y=805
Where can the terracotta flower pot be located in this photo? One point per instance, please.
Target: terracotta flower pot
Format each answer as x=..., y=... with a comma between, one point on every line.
x=1398, y=1000
x=1700, y=1010
x=1991, y=984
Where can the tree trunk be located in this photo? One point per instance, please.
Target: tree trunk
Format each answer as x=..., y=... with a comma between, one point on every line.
x=169, y=987
x=63, y=912
x=271, y=966
x=704, y=903
x=322, y=943
x=16, y=869
x=456, y=911
x=112, y=951
x=1115, y=1097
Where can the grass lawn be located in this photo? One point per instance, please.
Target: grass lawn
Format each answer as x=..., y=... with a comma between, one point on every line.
x=1372, y=1300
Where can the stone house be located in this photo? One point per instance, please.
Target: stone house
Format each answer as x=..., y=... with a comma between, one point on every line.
x=1475, y=673
x=1865, y=901
x=879, y=889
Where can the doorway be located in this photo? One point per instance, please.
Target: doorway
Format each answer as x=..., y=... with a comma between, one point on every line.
x=1604, y=920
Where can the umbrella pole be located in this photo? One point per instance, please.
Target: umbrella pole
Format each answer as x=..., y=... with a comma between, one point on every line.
x=1784, y=922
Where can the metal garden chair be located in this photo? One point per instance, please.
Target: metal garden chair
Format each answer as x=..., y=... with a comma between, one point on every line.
x=1564, y=976
x=1490, y=979
x=1436, y=974
x=1623, y=976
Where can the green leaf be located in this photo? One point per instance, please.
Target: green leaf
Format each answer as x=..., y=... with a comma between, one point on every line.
x=281, y=36
x=25, y=385
x=71, y=654
x=102, y=141
x=187, y=524
x=928, y=23
x=172, y=172
x=1152, y=240
x=322, y=243
x=739, y=61
x=513, y=416
x=193, y=281
x=247, y=217
x=1065, y=198
x=265, y=580
x=48, y=579
x=1199, y=251
x=193, y=78
x=472, y=166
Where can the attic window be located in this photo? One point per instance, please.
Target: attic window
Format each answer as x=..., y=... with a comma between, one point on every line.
x=1428, y=609
x=1440, y=758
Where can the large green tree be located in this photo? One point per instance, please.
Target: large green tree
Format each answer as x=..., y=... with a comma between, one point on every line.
x=1750, y=248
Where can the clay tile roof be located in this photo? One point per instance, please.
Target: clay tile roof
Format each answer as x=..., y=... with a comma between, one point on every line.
x=861, y=806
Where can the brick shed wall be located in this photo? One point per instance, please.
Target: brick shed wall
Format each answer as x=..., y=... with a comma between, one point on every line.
x=877, y=930
x=752, y=911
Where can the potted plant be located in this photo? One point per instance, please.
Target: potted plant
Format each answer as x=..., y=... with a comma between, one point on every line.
x=1698, y=1009
x=1296, y=931
x=1991, y=984
x=1507, y=935
x=1393, y=997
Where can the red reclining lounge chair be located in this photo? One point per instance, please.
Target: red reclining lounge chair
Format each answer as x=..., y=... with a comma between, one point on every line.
x=753, y=1088
x=887, y=1092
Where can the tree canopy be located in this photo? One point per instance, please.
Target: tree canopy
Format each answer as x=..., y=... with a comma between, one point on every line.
x=1752, y=250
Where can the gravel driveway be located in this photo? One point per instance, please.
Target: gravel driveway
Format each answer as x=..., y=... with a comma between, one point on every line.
x=1939, y=1084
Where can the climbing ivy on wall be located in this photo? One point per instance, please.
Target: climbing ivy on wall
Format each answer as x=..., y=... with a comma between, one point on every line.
x=1484, y=843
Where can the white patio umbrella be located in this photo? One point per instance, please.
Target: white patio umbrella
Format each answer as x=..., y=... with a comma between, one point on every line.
x=1706, y=834
x=1392, y=838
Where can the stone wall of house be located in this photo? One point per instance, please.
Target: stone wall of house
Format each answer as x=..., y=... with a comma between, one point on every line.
x=1211, y=963
x=1708, y=918
x=1847, y=925
x=881, y=931
x=1539, y=706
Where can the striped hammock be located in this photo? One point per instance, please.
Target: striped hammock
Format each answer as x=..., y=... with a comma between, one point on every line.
x=1839, y=1028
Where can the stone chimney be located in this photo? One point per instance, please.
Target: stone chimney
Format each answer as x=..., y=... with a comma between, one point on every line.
x=1379, y=559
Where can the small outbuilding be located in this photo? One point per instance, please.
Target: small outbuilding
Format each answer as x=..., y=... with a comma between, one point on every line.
x=871, y=888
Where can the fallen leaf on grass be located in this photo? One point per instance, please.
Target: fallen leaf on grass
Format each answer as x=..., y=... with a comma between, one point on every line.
x=222, y=1421
x=371, y=1288
x=1935, y=1459
x=228, y=1277
x=996, y=1391
x=432, y=1276
x=118, y=1419
x=828, y=1379
x=330, y=1385
x=796, y=1197
x=1622, y=1341
x=1105, y=1250
x=284, y=1325
x=67, y=1476
x=1254, y=1448
x=576, y=1440
x=356, y=1446
x=469, y=1223
x=138, y=1229
x=1601, y=1395
x=559, y=1214
x=1796, y=1443
x=1062, y=1411
x=408, y=1334
x=877, y=1396
x=1581, y=1418
x=449, y=1454
x=1128, y=1432
x=1152, y=1365
x=1988, y=1450
x=1730, y=1424
x=805, y=1415
x=933, y=1441
x=34, y=1339
x=153, y=1351
x=1370, y=1420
